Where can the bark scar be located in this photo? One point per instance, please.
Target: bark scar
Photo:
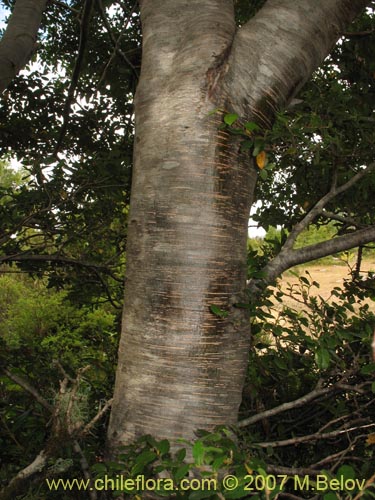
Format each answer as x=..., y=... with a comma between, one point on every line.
x=217, y=71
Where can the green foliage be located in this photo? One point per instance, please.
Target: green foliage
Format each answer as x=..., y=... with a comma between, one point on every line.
x=325, y=138
x=252, y=139
x=214, y=466
x=316, y=343
x=72, y=202
x=27, y=313
x=40, y=330
x=200, y=469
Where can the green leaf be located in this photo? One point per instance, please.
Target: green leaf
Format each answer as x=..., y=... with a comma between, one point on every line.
x=251, y=126
x=197, y=495
x=198, y=452
x=263, y=174
x=237, y=493
x=218, y=312
x=330, y=496
x=99, y=468
x=181, y=472
x=214, y=111
x=142, y=460
x=242, y=305
x=258, y=145
x=218, y=462
x=322, y=358
x=246, y=145
x=230, y=118
x=346, y=471
x=163, y=446
x=368, y=369
x=180, y=455
x=280, y=363
x=270, y=166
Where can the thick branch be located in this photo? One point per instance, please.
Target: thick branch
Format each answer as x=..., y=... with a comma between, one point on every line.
x=286, y=260
x=51, y=258
x=289, y=257
x=275, y=53
x=19, y=40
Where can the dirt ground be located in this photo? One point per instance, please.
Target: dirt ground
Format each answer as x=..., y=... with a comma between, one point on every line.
x=328, y=276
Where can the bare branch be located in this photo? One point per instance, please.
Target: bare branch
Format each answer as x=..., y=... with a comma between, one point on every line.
x=66, y=376
x=23, y=477
x=319, y=206
x=349, y=221
x=50, y=258
x=28, y=388
x=97, y=417
x=85, y=469
x=311, y=437
x=289, y=257
x=10, y=491
x=115, y=42
x=291, y=471
x=116, y=47
x=355, y=34
x=368, y=483
x=65, y=6
x=316, y=393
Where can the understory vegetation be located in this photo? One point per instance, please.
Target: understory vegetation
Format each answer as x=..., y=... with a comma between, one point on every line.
x=58, y=368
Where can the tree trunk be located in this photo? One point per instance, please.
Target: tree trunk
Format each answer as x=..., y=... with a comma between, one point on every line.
x=19, y=40
x=181, y=367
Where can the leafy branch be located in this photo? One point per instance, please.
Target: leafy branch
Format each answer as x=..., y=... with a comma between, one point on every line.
x=289, y=256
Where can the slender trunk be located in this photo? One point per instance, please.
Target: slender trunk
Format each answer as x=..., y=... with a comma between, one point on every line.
x=19, y=40
x=181, y=367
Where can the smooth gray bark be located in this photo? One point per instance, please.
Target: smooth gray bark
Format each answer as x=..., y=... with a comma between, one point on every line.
x=181, y=367
x=19, y=40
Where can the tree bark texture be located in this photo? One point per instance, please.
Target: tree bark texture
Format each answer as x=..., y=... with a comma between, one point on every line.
x=19, y=40
x=181, y=367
